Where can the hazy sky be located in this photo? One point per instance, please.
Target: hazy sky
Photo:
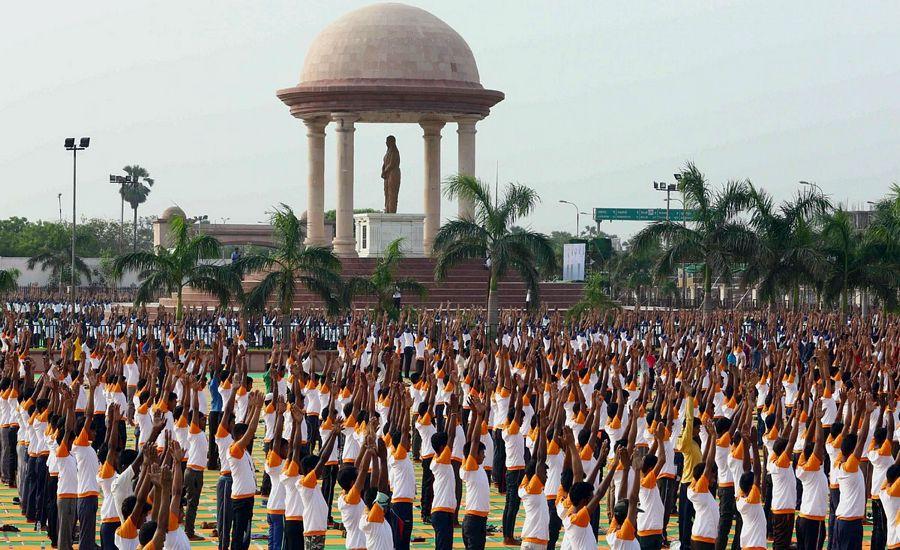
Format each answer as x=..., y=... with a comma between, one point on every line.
x=601, y=99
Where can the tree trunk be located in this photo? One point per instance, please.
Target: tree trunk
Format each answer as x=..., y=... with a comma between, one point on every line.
x=134, y=245
x=178, y=306
x=493, y=312
x=707, y=288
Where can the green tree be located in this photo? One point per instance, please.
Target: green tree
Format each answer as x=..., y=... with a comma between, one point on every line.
x=56, y=256
x=594, y=299
x=788, y=252
x=488, y=234
x=8, y=280
x=170, y=270
x=854, y=262
x=136, y=192
x=382, y=282
x=290, y=265
x=717, y=239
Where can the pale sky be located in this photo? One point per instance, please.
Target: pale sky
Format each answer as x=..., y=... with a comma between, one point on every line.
x=602, y=98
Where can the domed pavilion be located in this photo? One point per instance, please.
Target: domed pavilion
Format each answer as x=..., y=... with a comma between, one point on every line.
x=385, y=63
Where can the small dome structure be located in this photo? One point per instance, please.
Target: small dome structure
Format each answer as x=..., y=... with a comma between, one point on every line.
x=171, y=212
x=389, y=63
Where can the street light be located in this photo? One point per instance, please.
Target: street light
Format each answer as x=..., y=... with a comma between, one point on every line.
x=668, y=188
x=83, y=144
x=577, y=216
x=814, y=185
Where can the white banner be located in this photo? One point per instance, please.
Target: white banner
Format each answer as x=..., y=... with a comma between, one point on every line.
x=573, y=262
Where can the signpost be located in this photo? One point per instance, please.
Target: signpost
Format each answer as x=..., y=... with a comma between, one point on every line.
x=643, y=214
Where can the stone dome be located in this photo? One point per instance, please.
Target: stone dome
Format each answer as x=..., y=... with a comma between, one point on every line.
x=390, y=44
x=171, y=212
x=389, y=63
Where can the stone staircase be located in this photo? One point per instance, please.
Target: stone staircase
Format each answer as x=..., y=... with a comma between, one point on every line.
x=464, y=286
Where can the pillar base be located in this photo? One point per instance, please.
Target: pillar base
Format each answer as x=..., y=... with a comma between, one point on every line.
x=344, y=249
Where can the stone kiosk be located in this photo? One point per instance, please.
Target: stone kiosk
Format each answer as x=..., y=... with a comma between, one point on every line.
x=386, y=63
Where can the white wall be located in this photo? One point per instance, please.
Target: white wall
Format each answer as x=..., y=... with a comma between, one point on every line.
x=36, y=276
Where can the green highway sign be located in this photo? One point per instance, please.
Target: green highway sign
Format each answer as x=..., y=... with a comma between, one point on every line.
x=643, y=214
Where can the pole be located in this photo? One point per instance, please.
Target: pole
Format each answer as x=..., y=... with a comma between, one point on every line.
x=122, y=218
x=74, y=189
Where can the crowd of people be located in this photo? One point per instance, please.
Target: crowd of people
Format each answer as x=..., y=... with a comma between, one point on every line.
x=705, y=430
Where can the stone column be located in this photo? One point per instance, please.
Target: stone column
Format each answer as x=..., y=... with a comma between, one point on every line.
x=432, y=138
x=315, y=182
x=465, y=131
x=344, y=244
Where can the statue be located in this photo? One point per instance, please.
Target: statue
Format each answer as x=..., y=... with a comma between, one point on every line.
x=390, y=173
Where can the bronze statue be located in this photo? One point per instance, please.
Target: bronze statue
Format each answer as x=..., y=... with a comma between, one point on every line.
x=390, y=173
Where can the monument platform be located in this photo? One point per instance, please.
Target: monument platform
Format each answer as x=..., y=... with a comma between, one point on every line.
x=375, y=231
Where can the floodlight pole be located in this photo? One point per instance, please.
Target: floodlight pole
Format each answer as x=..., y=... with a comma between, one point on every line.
x=74, y=195
x=72, y=146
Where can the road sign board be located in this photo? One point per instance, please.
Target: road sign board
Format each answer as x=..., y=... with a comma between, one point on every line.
x=643, y=214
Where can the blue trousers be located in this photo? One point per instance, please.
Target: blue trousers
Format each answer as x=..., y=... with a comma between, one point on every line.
x=223, y=511
x=848, y=535
x=276, y=530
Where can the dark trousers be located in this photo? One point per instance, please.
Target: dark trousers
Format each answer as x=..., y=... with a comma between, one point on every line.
x=402, y=524
x=651, y=542
x=52, y=511
x=427, y=488
x=511, y=509
x=848, y=535
x=193, y=485
x=67, y=509
x=87, y=520
x=108, y=536
x=879, y=526
x=8, y=459
x=37, y=483
x=810, y=534
x=293, y=535
x=685, y=516
x=224, y=513
x=442, y=523
x=726, y=517
x=833, y=502
x=555, y=525
x=329, y=478
x=26, y=486
x=242, y=522
x=266, y=486
x=408, y=353
x=499, y=469
x=474, y=531
x=416, y=439
x=212, y=454
x=782, y=531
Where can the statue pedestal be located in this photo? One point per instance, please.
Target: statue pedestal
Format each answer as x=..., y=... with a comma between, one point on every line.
x=375, y=231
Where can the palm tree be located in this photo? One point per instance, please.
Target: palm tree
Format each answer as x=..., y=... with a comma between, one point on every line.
x=136, y=192
x=290, y=265
x=8, y=280
x=854, y=262
x=382, y=282
x=488, y=235
x=170, y=270
x=56, y=256
x=788, y=252
x=717, y=239
x=634, y=271
x=594, y=299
